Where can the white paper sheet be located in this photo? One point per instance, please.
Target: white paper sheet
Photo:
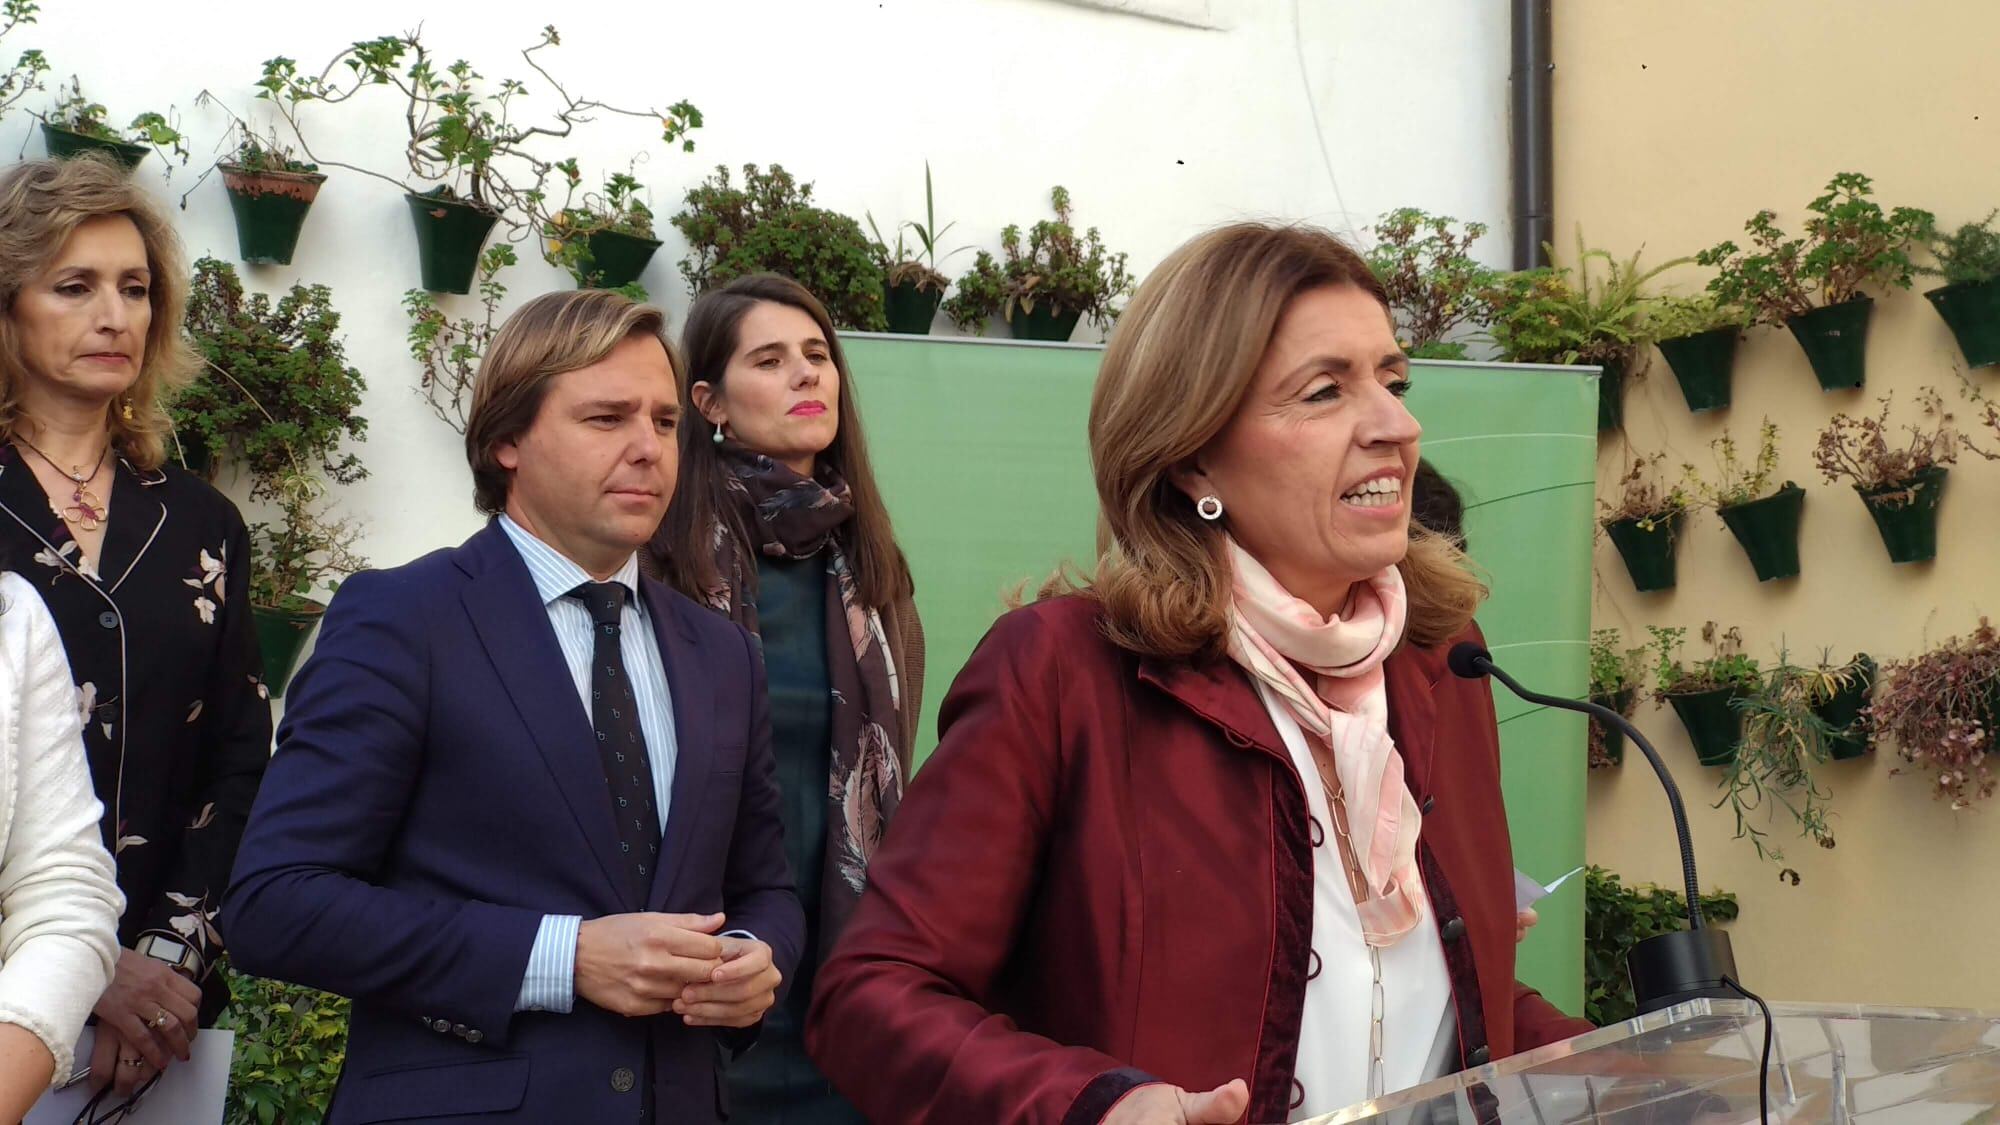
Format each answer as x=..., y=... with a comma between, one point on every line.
x=189, y=1093
x=1528, y=892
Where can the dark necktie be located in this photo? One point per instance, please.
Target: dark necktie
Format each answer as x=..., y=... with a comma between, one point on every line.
x=621, y=744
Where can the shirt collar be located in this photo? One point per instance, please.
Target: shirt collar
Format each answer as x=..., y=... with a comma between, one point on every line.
x=555, y=574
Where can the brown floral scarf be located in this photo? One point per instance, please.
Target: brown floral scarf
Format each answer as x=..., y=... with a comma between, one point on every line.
x=792, y=517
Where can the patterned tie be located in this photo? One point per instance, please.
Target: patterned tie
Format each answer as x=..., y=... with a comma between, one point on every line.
x=621, y=744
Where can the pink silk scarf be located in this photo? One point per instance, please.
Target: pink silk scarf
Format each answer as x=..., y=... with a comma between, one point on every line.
x=1272, y=635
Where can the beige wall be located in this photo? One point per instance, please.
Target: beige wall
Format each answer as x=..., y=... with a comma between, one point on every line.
x=1674, y=122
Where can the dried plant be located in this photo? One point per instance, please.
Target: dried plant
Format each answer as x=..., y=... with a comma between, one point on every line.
x=1938, y=708
x=1859, y=449
x=1643, y=495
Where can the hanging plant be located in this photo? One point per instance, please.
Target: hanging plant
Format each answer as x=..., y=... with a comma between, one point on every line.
x=1813, y=285
x=1436, y=288
x=1765, y=522
x=1785, y=737
x=1645, y=523
x=482, y=165
x=1616, y=675
x=1703, y=692
x=1901, y=485
x=75, y=124
x=270, y=193
x=1698, y=335
x=1968, y=259
x=1565, y=316
x=1939, y=709
x=605, y=239
x=449, y=350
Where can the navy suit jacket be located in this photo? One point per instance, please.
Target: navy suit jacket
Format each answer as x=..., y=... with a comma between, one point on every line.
x=436, y=790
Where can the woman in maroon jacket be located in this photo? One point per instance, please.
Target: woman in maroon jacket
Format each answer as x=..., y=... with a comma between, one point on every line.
x=1218, y=835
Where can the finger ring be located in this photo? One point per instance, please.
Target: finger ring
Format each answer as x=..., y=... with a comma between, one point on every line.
x=133, y=1062
x=159, y=1020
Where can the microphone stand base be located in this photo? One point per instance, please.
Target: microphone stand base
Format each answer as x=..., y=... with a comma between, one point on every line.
x=1668, y=969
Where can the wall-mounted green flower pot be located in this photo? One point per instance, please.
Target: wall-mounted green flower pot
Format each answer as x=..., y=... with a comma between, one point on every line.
x=450, y=234
x=1648, y=551
x=1713, y=725
x=1611, y=395
x=281, y=636
x=1046, y=322
x=614, y=259
x=1843, y=712
x=1971, y=309
x=270, y=210
x=1768, y=529
x=1610, y=739
x=1907, y=515
x=63, y=144
x=1702, y=364
x=1835, y=340
x=912, y=309
x=190, y=448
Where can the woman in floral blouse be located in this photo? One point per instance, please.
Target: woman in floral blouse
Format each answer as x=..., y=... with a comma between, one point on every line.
x=145, y=569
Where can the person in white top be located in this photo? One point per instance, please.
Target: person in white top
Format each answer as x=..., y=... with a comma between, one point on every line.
x=59, y=900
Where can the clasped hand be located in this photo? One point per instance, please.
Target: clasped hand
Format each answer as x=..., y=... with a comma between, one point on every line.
x=646, y=964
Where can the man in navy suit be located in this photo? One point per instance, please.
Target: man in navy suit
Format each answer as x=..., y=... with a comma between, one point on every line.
x=523, y=808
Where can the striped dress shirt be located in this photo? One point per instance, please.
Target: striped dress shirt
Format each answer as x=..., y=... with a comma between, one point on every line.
x=549, y=984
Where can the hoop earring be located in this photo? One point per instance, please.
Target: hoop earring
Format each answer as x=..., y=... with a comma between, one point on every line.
x=1209, y=508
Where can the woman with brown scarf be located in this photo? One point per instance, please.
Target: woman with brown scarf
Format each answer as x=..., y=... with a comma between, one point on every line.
x=777, y=523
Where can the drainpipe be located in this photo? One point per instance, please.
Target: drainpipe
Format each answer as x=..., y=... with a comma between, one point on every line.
x=1531, y=157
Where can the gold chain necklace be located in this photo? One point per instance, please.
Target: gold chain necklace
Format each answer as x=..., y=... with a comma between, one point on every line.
x=1357, y=884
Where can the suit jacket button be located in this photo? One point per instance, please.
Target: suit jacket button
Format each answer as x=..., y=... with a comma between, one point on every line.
x=440, y=1025
x=621, y=1080
x=458, y=1029
x=1480, y=1057
x=108, y=619
x=474, y=1035
x=1452, y=931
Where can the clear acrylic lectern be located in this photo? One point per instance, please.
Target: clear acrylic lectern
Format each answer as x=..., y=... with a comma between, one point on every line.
x=1697, y=1064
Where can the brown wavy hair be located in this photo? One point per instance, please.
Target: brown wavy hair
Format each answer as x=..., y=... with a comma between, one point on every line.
x=680, y=552
x=1177, y=370
x=552, y=334
x=42, y=202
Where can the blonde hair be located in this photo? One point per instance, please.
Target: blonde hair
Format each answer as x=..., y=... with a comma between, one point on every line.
x=552, y=334
x=1177, y=370
x=42, y=203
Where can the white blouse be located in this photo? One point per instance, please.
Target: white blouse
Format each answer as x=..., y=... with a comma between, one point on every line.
x=59, y=898
x=1418, y=1028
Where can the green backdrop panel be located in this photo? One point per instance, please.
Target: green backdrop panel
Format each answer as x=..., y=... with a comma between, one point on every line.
x=981, y=452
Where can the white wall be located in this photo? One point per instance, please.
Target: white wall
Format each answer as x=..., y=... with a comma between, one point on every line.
x=1158, y=130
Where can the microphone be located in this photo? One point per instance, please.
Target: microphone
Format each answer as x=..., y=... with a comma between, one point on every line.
x=1668, y=968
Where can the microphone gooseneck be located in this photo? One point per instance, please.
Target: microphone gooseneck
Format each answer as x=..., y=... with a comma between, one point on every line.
x=1668, y=968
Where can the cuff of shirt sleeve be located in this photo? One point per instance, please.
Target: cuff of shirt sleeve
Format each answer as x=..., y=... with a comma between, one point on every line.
x=550, y=982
